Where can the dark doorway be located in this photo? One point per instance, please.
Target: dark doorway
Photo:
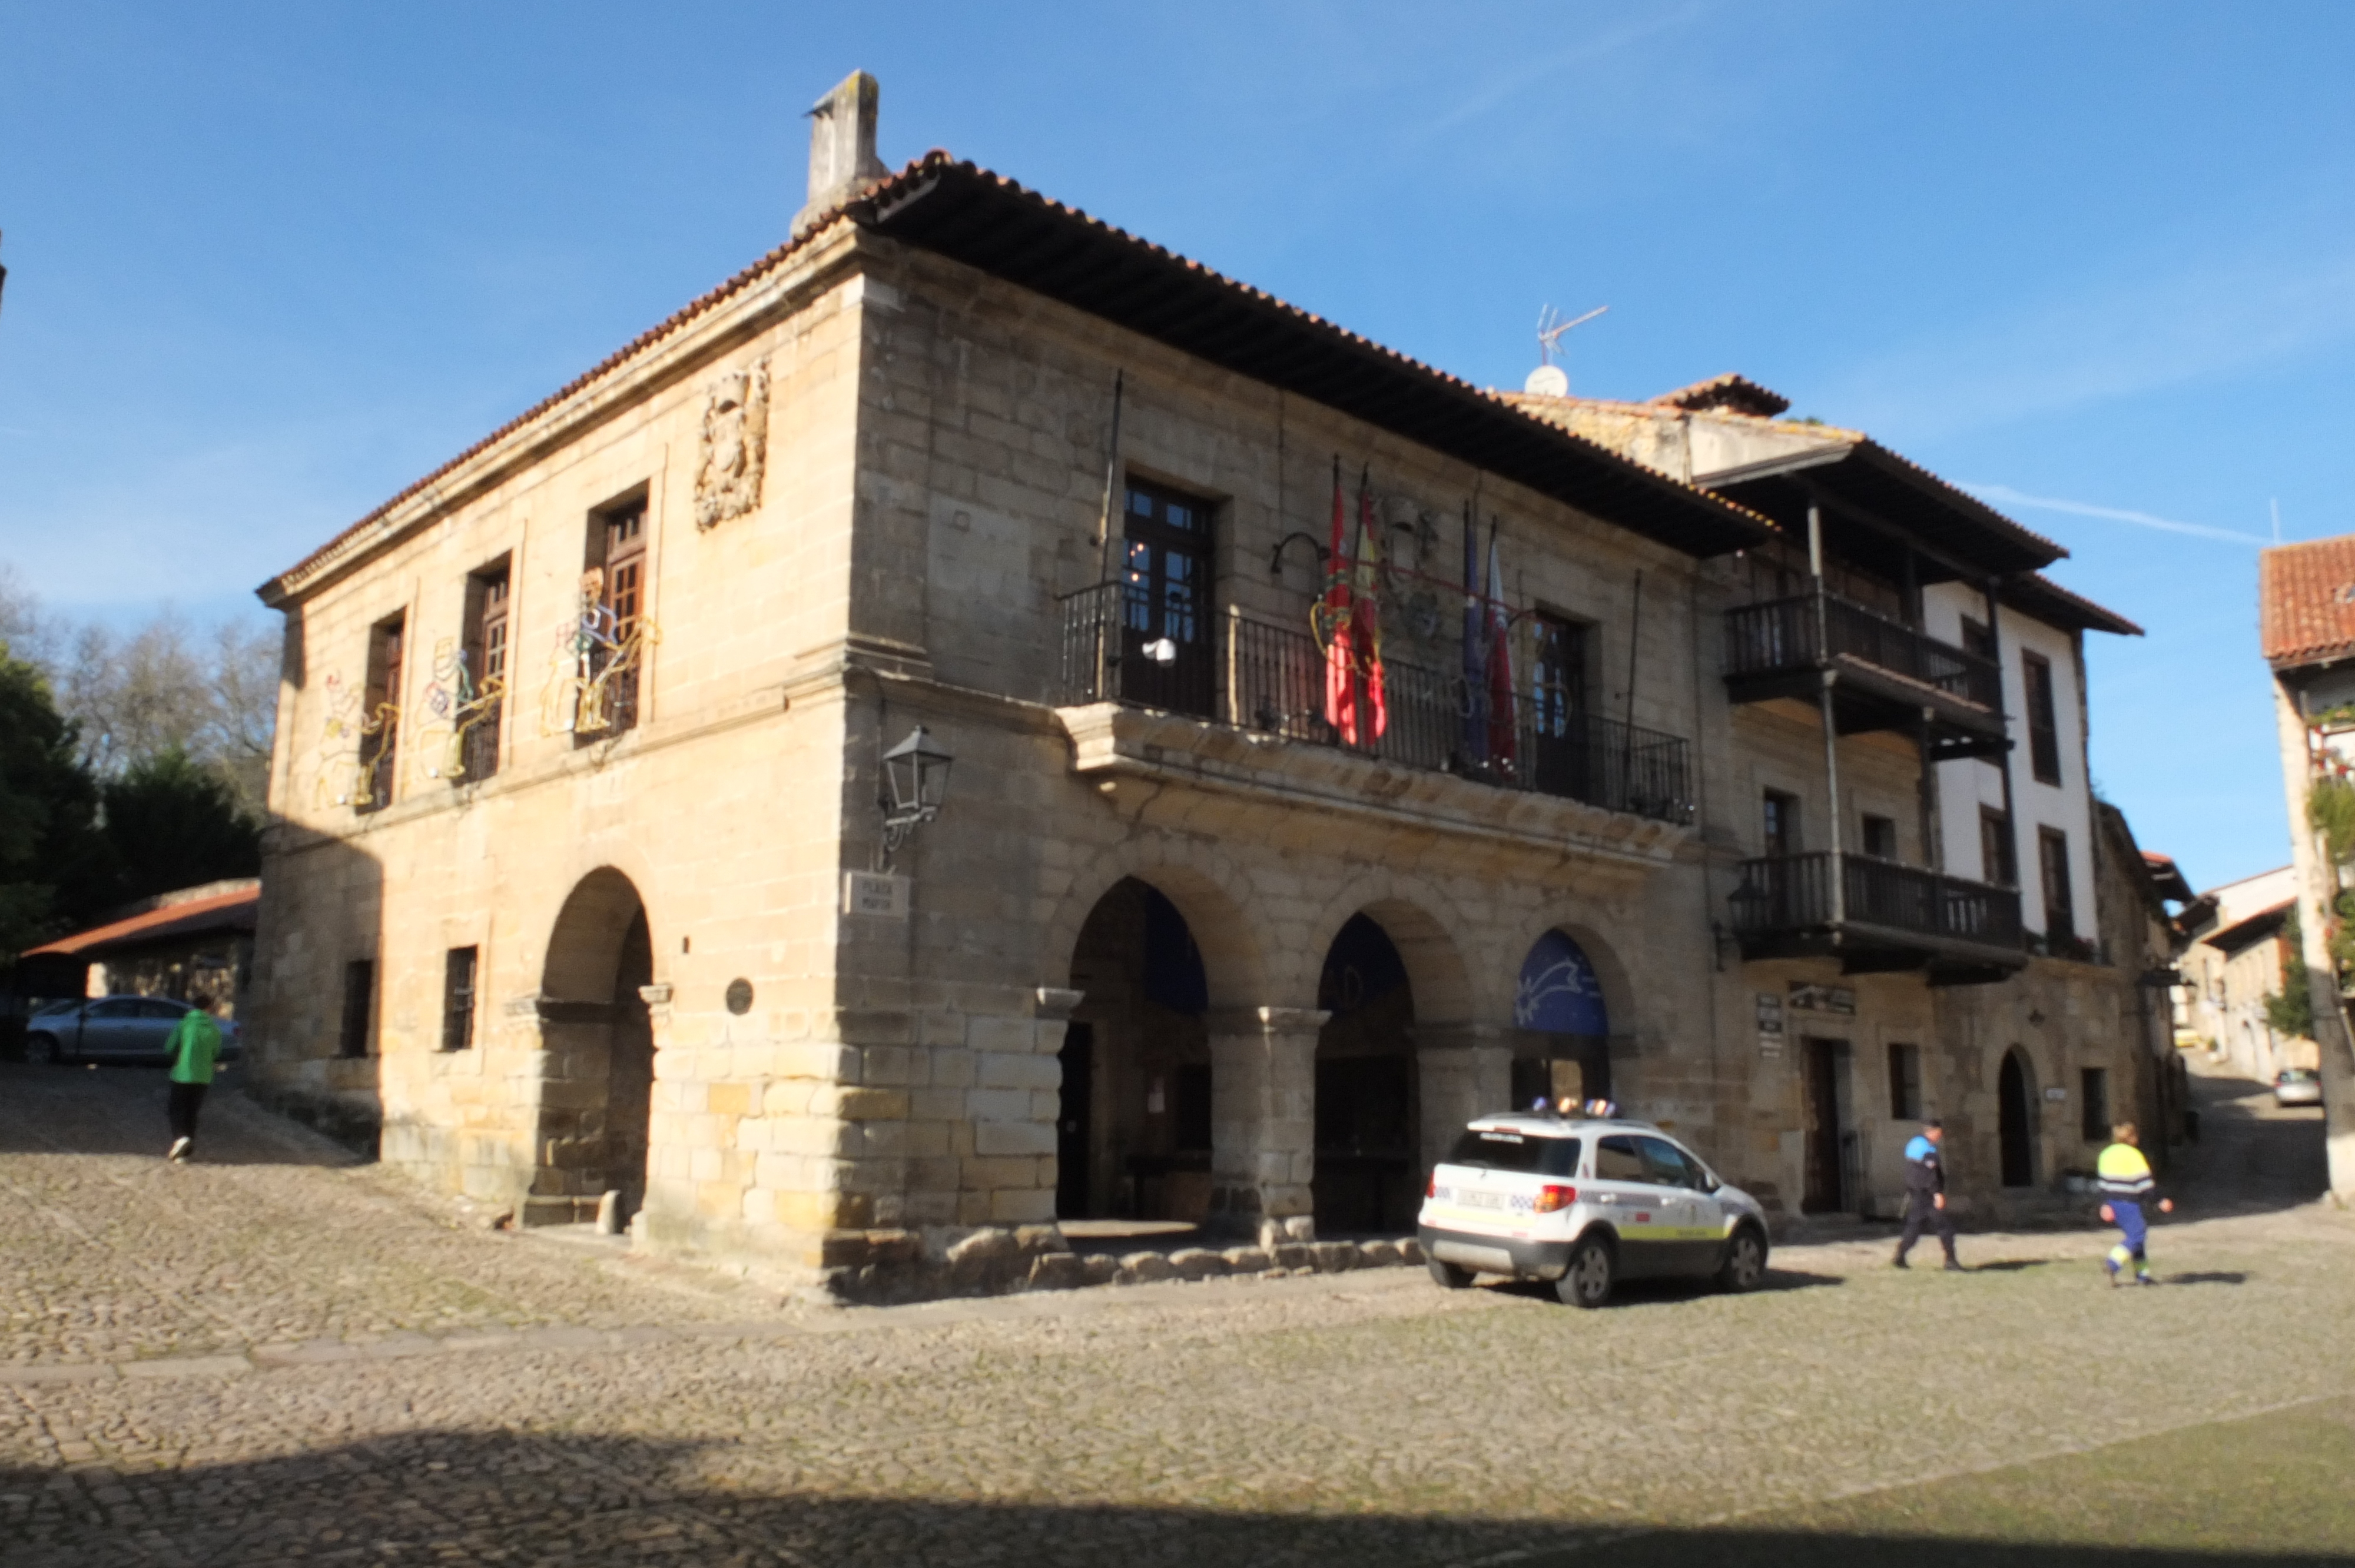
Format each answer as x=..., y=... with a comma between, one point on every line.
x=1165, y=643
x=1076, y=1120
x=1369, y=1167
x=1133, y=1130
x=2016, y=1120
x=1825, y=1187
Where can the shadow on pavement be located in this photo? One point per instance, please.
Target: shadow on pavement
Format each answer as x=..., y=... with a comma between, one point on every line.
x=2234, y=1277
x=119, y=1110
x=2253, y=1156
x=439, y=1496
x=2009, y=1265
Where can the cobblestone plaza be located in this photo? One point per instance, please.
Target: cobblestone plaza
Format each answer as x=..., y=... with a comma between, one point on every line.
x=280, y=1354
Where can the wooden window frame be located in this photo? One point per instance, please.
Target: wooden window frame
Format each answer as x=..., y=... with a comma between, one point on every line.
x=2060, y=914
x=2040, y=697
x=621, y=565
x=380, y=710
x=1994, y=828
x=489, y=645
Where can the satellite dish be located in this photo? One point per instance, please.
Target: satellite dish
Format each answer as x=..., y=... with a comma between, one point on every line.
x=1547, y=381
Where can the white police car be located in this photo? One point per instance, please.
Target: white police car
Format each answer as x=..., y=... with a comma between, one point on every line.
x=1585, y=1203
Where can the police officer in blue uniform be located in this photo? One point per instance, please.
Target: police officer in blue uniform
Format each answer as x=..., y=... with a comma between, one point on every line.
x=1925, y=1195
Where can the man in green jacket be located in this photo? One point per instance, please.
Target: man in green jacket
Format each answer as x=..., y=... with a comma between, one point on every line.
x=194, y=1045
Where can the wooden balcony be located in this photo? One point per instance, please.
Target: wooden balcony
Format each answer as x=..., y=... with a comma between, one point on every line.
x=1883, y=673
x=1877, y=915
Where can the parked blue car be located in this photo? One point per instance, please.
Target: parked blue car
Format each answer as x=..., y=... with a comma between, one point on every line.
x=113, y=1029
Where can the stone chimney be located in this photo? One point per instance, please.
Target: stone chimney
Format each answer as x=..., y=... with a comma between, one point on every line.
x=842, y=146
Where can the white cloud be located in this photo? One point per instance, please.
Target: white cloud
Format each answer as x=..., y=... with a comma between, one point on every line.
x=2008, y=496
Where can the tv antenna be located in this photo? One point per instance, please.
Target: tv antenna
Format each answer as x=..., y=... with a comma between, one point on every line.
x=1549, y=379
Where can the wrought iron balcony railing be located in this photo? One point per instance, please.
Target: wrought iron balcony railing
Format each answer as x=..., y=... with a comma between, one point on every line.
x=1810, y=631
x=1784, y=895
x=1253, y=675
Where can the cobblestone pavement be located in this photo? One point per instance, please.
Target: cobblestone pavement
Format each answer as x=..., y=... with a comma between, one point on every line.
x=278, y=1356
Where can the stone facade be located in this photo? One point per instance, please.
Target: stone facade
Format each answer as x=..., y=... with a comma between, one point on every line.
x=690, y=977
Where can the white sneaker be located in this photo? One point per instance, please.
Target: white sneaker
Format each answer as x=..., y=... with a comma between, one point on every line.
x=179, y=1150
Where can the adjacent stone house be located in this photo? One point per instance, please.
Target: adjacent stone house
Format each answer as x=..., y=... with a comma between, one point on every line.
x=892, y=756
x=2237, y=960
x=2306, y=601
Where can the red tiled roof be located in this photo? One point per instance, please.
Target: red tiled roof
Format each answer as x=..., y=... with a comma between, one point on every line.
x=2241, y=932
x=2306, y=601
x=222, y=911
x=1730, y=391
x=1715, y=521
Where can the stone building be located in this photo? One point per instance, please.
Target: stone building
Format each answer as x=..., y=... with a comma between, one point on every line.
x=1898, y=651
x=612, y=855
x=2306, y=603
x=2237, y=960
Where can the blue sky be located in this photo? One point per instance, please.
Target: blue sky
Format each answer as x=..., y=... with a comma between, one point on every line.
x=267, y=264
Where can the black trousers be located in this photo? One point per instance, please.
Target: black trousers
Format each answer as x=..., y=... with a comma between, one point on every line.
x=1920, y=1209
x=187, y=1099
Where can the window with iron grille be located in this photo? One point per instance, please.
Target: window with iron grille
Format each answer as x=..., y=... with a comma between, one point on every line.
x=1904, y=1082
x=2094, y=1104
x=2060, y=907
x=458, y=999
x=2043, y=720
x=380, y=716
x=612, y=624
x=358, y=1036
x=483, y=701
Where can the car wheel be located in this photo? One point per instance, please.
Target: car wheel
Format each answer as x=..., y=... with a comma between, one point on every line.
x=1745, y=1262
x=41, y=1050
x=1448, y=1276
x=1593, y=1270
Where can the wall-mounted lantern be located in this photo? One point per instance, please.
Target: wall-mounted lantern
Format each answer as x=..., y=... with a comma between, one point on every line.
x=916, y=779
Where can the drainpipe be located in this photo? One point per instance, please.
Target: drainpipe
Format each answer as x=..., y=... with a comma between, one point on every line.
x=1824, y=704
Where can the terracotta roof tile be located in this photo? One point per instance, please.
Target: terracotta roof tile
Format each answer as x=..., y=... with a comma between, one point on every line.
x=2306, y=601
x=223, y=912
x=1732, y=392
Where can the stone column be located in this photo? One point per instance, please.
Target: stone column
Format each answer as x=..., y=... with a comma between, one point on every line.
x=1463, y=1070
x=1262, y=1119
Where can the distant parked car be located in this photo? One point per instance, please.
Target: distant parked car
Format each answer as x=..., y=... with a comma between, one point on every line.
x=113, y=1029
x=2299, y=1087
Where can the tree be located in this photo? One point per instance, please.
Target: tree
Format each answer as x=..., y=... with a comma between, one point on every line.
x=212, y=694
x=54, y=866
x=173, y=822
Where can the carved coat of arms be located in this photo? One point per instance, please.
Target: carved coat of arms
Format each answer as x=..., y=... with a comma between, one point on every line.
x=735, y=446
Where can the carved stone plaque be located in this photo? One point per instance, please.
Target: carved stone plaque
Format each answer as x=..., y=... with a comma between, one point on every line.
x=735, y=446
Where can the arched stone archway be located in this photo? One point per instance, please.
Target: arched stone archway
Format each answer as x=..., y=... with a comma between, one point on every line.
x=596, y=1088
x=1134, y=1130
x=1563, y=1019
x=2016, y=1118
x=1368, y=1130
x=1217, y=902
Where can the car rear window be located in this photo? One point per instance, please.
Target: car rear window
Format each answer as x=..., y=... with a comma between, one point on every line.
x=1502, y=1150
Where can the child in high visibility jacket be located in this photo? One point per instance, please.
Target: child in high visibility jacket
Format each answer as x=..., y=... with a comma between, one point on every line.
x=2126, y=1186
x=194, y=1046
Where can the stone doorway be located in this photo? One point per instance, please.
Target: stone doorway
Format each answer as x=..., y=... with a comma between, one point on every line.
x=2016, y=1119
x=597, y=1039
x=1132, y=1130
x=1828, y=1179
x=1369, y=1165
